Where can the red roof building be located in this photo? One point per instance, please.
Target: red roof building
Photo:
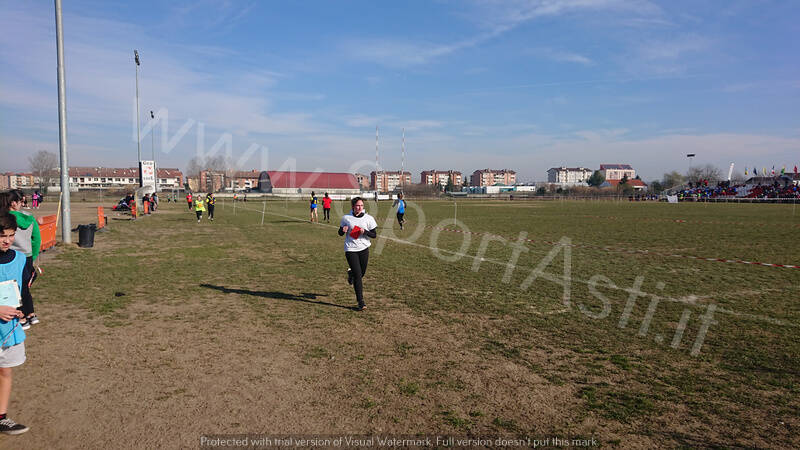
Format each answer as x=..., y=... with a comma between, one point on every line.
x=638, y=185
x=286, y=182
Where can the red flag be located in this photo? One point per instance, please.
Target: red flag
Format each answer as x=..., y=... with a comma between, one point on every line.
x=355, y=232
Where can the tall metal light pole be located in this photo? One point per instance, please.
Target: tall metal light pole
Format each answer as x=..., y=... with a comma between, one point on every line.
x=153, y=137
x=153, y=148
x=66, y=221
x=138, y=138
x=690, y=156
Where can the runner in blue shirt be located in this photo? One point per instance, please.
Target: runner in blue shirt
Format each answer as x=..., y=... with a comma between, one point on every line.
x=313, y=205
x=401, y=209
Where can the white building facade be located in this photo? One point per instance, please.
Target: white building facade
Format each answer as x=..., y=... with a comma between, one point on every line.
x=617, y=171
x=568, y=175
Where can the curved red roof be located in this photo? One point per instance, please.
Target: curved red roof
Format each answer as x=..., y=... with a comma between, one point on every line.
x=317, y=180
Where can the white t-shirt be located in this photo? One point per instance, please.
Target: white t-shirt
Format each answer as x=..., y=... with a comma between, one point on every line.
x=365, y=222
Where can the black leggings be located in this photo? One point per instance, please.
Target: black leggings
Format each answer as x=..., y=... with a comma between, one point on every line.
x=358, y=267
x=210, y=211
x=326, y=213
x=27, y=299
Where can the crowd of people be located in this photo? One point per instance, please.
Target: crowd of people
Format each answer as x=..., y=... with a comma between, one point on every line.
x=774, y=190
x=724, y=189
x=701, y=189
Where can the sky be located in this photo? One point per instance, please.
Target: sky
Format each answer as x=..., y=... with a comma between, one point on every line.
x=519, y=84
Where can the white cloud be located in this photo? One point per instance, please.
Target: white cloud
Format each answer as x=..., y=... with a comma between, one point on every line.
x=100, y=74
x=563, y=56
x=359, y=121
x=514, y=12
x=674, y=48
x=497, y=17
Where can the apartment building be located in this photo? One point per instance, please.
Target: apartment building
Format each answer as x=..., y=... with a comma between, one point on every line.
x=389, y=181
x=490, y=177
x=440, y=177
x=617, y=171
x=568, y=175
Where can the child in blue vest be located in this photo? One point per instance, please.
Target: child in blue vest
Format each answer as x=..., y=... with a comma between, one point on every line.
x=12, y=349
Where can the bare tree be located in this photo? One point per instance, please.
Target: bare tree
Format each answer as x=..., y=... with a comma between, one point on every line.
x=195, y=166
x=672, y=179
x=44, y=166
x=708, y=172
x=219, y=164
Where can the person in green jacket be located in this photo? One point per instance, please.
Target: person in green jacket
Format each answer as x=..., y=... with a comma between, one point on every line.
x=199, y=207
x=28, y=241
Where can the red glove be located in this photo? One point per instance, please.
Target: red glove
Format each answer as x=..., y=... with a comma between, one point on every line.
x=355, y=232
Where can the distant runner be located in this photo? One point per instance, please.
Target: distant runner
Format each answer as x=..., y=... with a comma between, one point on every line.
x=199, y=207
x=326, y=208
x=313, y=204
x=210, y=200
x=401, y=209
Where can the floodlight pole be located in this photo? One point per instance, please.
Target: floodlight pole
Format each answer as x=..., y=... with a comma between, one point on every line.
x=138, y=137
x=66, y=222
x=153, y=148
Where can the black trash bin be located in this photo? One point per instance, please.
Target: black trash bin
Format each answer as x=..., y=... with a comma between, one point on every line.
x=86, y=235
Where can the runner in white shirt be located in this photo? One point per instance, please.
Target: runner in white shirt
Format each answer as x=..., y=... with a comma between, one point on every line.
x=357, y=227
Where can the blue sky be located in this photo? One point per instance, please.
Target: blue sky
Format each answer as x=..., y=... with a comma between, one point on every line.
x=519, y=84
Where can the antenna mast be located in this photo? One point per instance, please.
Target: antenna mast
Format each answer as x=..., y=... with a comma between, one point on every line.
x=403, y=163
x=377, y=167
x=376, y=149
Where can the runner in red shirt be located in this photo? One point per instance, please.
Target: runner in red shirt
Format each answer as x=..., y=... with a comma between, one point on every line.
x=189, y=200
x=326, y=208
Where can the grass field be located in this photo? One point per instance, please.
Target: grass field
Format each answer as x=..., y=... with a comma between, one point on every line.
x=600, y=325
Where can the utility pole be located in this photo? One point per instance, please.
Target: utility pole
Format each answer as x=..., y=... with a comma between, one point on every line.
x=138, y=137
x=66, y=221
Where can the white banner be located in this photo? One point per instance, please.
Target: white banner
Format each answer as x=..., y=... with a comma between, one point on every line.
x=148, y=169
x=672, y=198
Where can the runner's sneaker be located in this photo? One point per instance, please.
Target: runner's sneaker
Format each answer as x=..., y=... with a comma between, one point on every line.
x=25, y=325
x=34, y=319
x=8, y=426
x=349, y=276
